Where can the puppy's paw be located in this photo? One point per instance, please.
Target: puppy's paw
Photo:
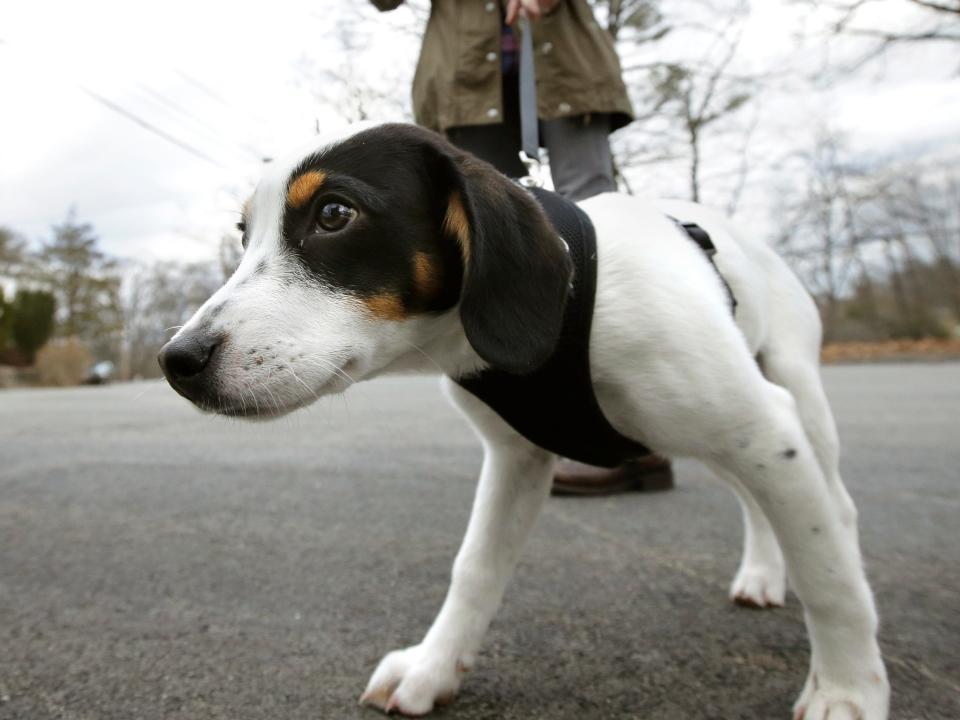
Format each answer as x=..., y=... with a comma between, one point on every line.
x=412, y=681
x=822, y=700
x=759, y=586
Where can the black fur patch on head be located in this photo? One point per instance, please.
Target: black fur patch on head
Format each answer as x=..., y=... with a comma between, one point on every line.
x=393, y=252
x=434, y=226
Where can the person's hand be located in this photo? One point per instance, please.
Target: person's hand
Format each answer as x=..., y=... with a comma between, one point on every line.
x=533, y=9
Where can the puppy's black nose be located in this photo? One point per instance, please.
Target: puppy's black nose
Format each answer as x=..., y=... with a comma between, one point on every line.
x=186, y=357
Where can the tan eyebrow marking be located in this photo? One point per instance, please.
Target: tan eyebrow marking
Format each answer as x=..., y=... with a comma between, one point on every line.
x=303, y=187
x=455, y=222
x=385, y=306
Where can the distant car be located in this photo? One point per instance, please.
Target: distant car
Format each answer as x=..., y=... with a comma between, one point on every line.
x=100, y=373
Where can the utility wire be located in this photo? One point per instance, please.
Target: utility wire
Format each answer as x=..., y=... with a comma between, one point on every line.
x=211, y=131
x=203, y=88
x=210, y=92
x=136, y=119
x=150, y=127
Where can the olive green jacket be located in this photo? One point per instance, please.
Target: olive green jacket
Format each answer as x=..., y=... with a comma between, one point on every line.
x=458, y=78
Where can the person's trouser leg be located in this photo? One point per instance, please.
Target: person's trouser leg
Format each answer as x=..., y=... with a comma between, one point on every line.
x=580, y=160
x=499, y=144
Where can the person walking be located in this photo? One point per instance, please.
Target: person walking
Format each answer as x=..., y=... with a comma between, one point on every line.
x=466, y=86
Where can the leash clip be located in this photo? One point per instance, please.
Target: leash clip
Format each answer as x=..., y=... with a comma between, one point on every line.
x=529, y=122
x=534, y=176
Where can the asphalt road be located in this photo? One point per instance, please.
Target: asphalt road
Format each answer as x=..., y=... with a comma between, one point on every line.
x=157, y=563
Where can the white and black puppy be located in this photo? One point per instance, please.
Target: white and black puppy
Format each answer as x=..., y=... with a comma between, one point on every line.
x=386, y=249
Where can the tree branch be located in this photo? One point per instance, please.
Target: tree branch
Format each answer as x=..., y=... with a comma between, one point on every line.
x=938, y=7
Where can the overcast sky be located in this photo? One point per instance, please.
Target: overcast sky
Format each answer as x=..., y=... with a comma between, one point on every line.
x=225, y=82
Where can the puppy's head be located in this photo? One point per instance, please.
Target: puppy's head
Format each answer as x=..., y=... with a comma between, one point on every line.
x=358, y=251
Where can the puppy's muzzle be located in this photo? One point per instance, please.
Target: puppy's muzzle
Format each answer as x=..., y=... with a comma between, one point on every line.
x=188, y=361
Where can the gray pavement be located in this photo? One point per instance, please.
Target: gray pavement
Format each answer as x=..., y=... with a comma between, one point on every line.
x=157, y=563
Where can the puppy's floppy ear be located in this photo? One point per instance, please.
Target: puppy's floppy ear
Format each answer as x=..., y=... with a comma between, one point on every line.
x=516, y=270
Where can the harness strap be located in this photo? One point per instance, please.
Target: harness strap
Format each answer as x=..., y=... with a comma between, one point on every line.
x=701, y=238
x=554, y=406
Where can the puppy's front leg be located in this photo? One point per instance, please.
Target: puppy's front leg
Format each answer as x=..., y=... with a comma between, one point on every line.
x=514, y=482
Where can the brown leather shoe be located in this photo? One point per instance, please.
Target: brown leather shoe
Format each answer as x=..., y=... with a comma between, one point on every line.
x=648, y=474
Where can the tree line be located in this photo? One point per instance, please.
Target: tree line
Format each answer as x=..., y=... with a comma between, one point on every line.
x=65, y=303
x=65, y=287
x=877, y=242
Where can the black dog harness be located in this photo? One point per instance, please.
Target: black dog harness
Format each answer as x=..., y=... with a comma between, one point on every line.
x=555, y=407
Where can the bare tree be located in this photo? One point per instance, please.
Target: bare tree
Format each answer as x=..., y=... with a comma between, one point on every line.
x=925, y=22
x=362, y=85
x=633, y=21
x=820, y=233
x=86, y=282
x=934, y=21
x=878, y=247
x=158, y=299
x=696, y=103
x=926, y=215
x=13, y=252
x=699, y=101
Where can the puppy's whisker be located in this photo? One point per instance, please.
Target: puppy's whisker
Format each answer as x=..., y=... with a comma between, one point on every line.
x=297, y=378
x=340, y=371
x=146, y=389
x=425, y=354
x=273, y=398
x=327, y=365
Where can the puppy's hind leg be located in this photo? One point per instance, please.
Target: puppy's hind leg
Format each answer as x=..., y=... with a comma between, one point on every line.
x=790, y=358
x=779, y=467
x=797, y=370
x=761, y=579
x=514, y=483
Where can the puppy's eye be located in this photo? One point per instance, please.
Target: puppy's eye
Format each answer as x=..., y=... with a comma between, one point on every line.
x=335, y=216
x=242, y=227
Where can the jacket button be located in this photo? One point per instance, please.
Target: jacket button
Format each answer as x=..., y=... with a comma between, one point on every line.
x=546, y=47
x=490, y=7
x=492, y=113
x=491, y=56
x=564, y=107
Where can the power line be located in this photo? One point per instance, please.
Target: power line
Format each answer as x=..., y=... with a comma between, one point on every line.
x=211, y=131
x=210, y=92
x=136, y=119
x=203, y=88
x=109, y=104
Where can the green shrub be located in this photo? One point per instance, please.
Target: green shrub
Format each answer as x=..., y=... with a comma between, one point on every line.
x=32, y=326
